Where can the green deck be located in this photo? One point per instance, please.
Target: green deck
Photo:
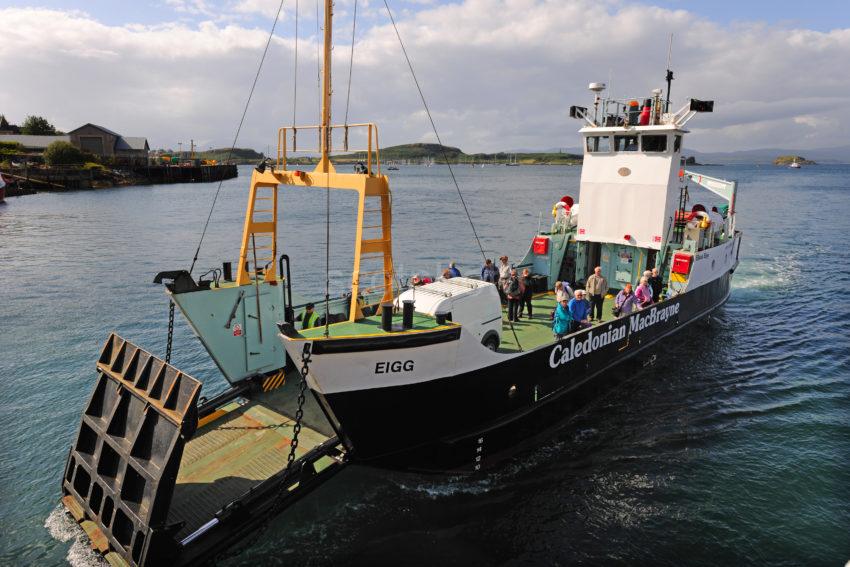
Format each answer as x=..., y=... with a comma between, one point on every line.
x=531, y=333
x=537, y=331
x=368, y=326
x=238, y=450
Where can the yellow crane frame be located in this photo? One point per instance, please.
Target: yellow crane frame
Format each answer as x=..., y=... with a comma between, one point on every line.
x=369, y=185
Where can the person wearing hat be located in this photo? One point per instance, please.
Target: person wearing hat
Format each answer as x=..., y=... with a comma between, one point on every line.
x=310, y=316
x=579, y=310
x=453, y=271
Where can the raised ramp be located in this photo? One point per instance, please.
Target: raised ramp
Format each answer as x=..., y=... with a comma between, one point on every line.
x=121, y=472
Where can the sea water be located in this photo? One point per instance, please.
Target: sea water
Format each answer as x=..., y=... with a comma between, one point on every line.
x=734, y=448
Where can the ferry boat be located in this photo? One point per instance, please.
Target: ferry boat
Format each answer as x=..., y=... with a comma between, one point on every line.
x=453, y=387
x=429, y=377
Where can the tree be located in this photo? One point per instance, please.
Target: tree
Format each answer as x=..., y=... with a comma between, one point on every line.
x=63, y=153
x=38, y=126
x=6, y=127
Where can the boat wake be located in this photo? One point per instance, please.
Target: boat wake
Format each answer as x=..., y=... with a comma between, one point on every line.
x=63, y=529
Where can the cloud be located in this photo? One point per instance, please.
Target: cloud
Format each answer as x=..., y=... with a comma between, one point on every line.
x=497, y=74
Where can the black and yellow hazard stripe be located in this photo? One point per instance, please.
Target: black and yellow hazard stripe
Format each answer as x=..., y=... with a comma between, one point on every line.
x=274, y=381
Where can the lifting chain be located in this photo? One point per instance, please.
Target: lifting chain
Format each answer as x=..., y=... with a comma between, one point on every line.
x=296, y=429
x=170, y=332
x=299, y=414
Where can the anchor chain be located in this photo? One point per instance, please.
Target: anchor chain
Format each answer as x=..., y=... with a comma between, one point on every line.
x=170, y=339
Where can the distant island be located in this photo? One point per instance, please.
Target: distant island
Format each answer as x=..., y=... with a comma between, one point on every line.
x=220, y=155
x=788, y=160
x=435, y=153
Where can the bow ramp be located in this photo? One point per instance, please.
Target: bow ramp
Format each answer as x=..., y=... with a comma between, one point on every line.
x=156, y=477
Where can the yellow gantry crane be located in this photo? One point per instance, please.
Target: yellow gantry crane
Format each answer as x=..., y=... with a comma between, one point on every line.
x=373, y=261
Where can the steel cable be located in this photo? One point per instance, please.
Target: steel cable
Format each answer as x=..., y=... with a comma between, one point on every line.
x=238, y=130
x=434, y=127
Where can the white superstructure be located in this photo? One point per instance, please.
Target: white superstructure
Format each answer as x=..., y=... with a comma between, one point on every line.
x=630, y=185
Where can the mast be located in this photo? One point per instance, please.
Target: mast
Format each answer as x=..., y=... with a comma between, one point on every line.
x=324, y=164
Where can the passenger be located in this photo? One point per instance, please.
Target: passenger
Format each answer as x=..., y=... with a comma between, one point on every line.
x=597, y=287
x=625, y=303
x=513, y=291
x=527, y=286
x=561, y=292
x=561, y=319
x=715, y=217
x=504, y=273
x=579, y=311
x=656, y=284
x=447, y=274
x=311, y=318
x=643, y=293
x=489, y=273
x=718, y=223
x=453, y=270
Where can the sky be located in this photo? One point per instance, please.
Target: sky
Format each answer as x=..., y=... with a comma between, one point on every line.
x=497, y=74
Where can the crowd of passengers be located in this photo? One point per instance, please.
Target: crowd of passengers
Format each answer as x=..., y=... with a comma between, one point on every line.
x=574, y=314
x=575, y=309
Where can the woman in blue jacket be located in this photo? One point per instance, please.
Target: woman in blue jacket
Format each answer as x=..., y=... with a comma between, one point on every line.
x=561, y=324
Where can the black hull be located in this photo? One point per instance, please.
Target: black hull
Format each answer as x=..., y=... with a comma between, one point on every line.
x=467, y=422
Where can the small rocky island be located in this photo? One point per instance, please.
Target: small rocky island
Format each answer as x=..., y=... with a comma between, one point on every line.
x=788, y=160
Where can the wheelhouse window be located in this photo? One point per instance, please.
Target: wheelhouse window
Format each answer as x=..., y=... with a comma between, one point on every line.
x=654, y=142
x=677, y=144
x=598, y=144
x=625, y=143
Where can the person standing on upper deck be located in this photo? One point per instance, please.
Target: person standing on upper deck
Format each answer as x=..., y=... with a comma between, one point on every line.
x=597, y=287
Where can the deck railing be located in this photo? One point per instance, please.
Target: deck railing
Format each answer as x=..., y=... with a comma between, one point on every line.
x=288, y=143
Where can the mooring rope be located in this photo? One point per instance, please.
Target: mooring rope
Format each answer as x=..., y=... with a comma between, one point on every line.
x=238, y=130
x=434, y=127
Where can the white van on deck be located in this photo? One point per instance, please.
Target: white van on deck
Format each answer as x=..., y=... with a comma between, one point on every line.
x=473, y=303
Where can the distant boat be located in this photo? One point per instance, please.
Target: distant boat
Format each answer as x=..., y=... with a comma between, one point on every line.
x=513, y=162
x=794, y=164
x=392, y=168
x=2, y=189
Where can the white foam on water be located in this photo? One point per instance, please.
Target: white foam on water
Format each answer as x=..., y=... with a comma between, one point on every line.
x=63, y=528
x=82, y=555
x=453, y=487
